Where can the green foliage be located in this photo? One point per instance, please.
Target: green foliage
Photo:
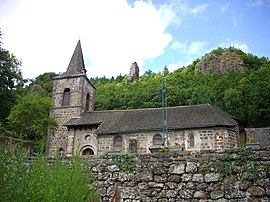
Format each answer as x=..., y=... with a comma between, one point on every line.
x=21, y=180
x=245, y=95
x=242, y=162
x=10, y=81
x=42, y=84
x=125, y=162
x=30, y=119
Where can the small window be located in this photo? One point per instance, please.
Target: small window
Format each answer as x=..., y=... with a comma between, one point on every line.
x=191, y=141
x=117, y=143
x=157, y=140
x=61, y=152
x=133, y=146
x=87, y=102
x=87, y=138
x=66, y=97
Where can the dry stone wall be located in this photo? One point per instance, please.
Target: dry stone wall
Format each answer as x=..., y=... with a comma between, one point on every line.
x=228, y=175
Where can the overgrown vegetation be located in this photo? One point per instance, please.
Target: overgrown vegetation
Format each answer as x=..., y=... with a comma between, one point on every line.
x=244, y=163
x=125, y=162
x=23, y=180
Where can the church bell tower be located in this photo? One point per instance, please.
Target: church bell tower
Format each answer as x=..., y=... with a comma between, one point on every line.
x=73, y=95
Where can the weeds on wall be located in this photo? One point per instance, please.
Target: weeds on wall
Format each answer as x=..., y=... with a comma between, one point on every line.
x=242, y=162
x=36, y=180
x=125, y=162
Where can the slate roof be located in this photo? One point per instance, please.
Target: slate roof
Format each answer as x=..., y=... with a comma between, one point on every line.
x=76, y=67
x=182, y=117
x=76, y=64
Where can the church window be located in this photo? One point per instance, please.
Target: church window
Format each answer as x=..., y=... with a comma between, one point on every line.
x=87, y=138
x=66, y=97
x=157, y=140
x=87, y=102
x=117, y=143
x=191, y=140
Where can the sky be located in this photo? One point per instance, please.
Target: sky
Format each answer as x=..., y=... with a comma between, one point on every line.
x=115, y=33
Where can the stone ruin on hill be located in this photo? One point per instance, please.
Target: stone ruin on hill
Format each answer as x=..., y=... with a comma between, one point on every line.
x=134, y=72
x=221, y=64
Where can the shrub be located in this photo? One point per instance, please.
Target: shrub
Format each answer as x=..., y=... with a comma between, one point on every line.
x=22, y=180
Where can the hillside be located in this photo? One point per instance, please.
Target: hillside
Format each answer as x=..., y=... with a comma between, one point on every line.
x=239, y=83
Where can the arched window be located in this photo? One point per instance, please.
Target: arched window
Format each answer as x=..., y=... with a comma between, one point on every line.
x=157, y=140
x=191, y=141
x=117, y=142
x=87, y=102
x=66, y=97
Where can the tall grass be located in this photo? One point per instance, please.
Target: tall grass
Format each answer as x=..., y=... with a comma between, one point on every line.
x=22, y=180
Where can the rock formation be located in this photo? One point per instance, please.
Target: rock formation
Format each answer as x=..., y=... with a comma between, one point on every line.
x=133, y=73
x=214, y=63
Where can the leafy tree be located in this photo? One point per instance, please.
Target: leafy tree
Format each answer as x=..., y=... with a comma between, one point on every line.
x=10, y=81
x=30, y=119
x=42, y=83
x=165, y=71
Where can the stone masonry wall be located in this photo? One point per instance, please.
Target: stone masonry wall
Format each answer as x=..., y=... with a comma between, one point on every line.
x=261, y=135
x=228, y=175
x=204, y=139
x=79, y=88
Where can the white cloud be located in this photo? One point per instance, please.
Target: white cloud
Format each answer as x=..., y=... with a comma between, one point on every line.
x=199, y=9
x=184, y=10
x=225, y=7
x=237, y=19
x=113, y=34
x=188, y=52
x=196, y=47
x=258, y=3
x=234, y=43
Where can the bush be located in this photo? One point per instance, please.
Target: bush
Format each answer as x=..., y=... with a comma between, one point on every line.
x=22, y=180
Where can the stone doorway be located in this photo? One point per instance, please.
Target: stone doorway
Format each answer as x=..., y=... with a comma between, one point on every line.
x=87, y=152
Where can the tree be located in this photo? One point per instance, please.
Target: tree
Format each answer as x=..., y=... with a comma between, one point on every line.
x=165, y=71
x=10, y=81
x=42, y=84
x=30, y=119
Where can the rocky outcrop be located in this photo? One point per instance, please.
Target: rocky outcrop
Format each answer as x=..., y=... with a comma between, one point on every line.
x=221, y=64
x=134, y=72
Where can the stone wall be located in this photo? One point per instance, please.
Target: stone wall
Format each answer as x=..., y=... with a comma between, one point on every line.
x=79, y=86
x=261, y=135
x=204, y=139
x=228, y=175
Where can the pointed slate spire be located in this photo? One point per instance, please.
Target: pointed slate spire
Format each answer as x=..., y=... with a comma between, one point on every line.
x=76, y=64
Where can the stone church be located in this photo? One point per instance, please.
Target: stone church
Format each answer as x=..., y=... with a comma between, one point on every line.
x=84, y=131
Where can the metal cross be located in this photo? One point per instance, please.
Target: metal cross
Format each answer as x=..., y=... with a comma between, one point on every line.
x=164, y=90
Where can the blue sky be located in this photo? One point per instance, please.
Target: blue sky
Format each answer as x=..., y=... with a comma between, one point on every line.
x=115, y=33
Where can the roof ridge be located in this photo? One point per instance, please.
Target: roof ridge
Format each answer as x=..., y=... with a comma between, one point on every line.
x=145, y=109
